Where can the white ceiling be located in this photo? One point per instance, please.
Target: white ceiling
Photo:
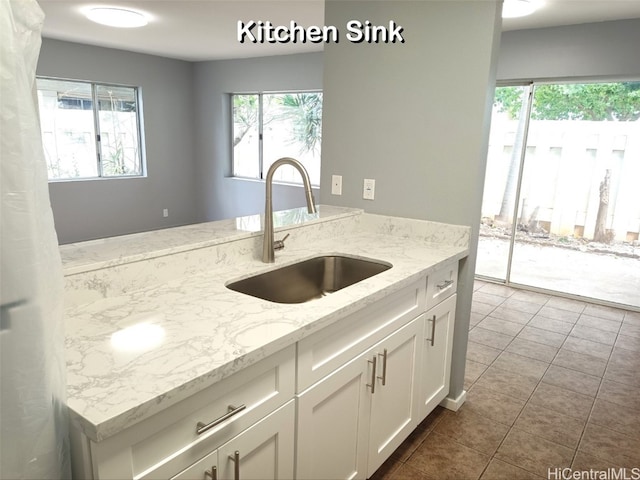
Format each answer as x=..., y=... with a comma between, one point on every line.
x=197, y=30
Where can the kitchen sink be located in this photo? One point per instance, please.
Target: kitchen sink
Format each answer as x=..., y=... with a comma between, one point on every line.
x=309, y=279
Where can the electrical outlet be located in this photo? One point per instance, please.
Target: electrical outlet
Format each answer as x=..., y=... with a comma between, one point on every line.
x=165, y=212
x=369, y=189
x=336, y=185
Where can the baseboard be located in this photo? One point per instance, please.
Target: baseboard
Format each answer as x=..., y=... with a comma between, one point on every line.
x=454, y=403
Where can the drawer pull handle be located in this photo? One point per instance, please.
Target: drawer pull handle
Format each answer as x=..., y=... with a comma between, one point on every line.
x=373, y=374
x=384, y=368
x=203, y=427
x=236, y=467
x=213, y=474
x=433, y=330
x=445, y=284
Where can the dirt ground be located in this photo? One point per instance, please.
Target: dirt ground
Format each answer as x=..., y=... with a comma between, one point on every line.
x=604, y=272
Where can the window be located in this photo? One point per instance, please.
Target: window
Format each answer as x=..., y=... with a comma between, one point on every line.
x=89, y=130
x=269, y=126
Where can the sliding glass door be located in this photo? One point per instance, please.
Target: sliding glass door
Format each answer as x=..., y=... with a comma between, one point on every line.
x=561, y=206
x=504, y=162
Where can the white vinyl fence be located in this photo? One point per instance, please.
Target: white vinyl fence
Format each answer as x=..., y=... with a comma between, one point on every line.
x=566, y=162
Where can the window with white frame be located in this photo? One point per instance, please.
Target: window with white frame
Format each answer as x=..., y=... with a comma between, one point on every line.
x=268, y=126
x=90, y=130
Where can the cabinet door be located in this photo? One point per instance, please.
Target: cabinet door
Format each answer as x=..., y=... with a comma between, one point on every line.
x=436, y=354
x=333, y=418
x=205, y=469
x=263, y=451
x=395, y=402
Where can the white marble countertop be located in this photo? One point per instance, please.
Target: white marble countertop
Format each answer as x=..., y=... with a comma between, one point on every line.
x=134, y=353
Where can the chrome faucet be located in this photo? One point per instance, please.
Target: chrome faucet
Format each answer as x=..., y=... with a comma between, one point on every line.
x=269, y=245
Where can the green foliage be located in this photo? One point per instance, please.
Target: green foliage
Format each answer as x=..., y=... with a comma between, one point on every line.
x=303, y=111
x=589, y=101
x=245, y=115
x=509, y=99
x=113, y=162
x=306, y=111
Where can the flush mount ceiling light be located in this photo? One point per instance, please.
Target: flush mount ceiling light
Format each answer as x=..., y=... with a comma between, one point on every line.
x=519, y=8
x=116, y=17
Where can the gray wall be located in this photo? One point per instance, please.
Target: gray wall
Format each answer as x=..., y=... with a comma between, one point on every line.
x=219, y=194
x=414, y=117
x=187, y=139
x=99, y=208
x=188, y=154
x=594, y=50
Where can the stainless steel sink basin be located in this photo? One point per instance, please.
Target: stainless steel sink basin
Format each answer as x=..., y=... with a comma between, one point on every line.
x=309, y=279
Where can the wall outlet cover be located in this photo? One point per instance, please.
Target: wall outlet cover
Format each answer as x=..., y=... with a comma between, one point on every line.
x=336, y=185
x=369, y=189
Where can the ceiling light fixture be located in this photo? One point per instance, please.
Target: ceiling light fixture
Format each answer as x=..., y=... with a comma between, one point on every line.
x=519, y=8
x=117, y=17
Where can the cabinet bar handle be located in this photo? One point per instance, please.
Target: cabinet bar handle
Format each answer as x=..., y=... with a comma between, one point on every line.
x=445, y=284
x=384, y=368
x=236, y=468
x=203, y=427
x=213, y=474
x=373, y=374
x=433, y=330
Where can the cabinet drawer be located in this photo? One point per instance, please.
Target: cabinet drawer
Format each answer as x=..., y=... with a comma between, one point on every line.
x=332, y=347
x=175, y=444
x=442, y=284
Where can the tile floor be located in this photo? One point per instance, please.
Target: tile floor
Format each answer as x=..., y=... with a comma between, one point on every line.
x=551, y=383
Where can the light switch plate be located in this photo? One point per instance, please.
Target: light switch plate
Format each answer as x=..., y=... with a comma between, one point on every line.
x=369, y=189
x=336, y=185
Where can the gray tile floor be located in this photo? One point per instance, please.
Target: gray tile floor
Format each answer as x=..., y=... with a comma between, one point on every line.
x=552, y=383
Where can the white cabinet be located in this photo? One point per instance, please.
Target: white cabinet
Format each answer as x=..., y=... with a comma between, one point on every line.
x=206, y=469
x=332, y=347
x=437, y=343
x=394, y=404
x=366, y=382
x=334, y=406
x=264, y=451
x=333, y=424
x=351, y=421
x=189, y=432
x=436, y=354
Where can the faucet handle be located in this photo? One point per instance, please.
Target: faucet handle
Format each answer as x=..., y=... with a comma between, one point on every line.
x=279, y=244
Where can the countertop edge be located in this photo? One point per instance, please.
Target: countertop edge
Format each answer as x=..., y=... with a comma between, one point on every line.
x=114, y=261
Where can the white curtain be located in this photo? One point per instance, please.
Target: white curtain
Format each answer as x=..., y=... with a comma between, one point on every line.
x=34, y=434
